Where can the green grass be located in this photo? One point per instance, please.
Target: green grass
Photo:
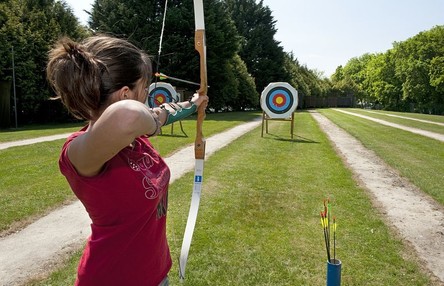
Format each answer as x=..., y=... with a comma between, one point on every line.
x=406, y=122
x=430, y=117
x=31, y=184
x=33, y=131
x=214, y=123
x=259, y=223
x=416, y=157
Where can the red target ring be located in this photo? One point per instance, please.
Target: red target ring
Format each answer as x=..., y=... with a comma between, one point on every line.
x=279, y=100
x=159, y=93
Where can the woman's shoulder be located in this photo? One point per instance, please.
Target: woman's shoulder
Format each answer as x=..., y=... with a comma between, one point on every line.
x=75, y=134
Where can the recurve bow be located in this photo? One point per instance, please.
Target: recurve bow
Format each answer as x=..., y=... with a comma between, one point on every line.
x=199, y=144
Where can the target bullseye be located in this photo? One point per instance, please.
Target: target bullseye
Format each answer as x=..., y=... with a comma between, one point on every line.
x=279, y=100
x=159, y=93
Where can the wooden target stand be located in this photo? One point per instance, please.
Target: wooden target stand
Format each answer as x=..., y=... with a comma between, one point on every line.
x=164, y=90
x=266, y=118
x=172, y=129
x=279, y=101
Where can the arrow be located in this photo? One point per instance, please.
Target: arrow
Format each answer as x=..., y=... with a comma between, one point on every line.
x=163, y=76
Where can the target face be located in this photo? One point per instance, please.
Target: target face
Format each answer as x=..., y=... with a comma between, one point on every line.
x=160, y=93
x=279, y=100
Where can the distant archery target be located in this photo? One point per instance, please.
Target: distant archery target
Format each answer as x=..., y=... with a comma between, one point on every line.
x=159, y=93
x=279, y=100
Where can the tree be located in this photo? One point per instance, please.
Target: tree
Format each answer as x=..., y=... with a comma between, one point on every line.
x=263, y=55
x=140, y=22
x=408, y=77
x=31, y=27
x=247, y=96
x=355, y=77
x=381, y=82
x=294, y=70
x=414, y=68
x=437, y=74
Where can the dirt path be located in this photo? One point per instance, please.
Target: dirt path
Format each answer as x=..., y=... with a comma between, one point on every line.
x=39, y=247
x=405, y=117
x=32, y=141
x=415, y=216
x=433, y=135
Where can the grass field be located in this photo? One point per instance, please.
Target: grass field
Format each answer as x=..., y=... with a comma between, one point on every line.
x=430, y=117
x=416, y=157
x=259, y=221
x=31, y=185
x=406, y=122
x=33, y=131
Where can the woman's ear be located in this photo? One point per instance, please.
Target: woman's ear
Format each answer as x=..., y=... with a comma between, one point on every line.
x=123, y=93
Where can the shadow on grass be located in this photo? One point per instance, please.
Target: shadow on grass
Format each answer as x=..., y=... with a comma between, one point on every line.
x=173, y=135
x=244, y=116
x=295, y=139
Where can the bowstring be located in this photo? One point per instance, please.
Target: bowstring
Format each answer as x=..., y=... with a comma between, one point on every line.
x=161, y=34
x=174, y=238
x=160, y=47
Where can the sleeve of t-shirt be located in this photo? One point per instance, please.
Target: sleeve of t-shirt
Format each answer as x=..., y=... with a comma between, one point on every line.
x=65, y=165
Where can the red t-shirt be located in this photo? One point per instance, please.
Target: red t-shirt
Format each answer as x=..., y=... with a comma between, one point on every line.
x=127, y=203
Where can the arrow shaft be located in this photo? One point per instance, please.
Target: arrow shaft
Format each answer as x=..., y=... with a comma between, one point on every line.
x=176, y=79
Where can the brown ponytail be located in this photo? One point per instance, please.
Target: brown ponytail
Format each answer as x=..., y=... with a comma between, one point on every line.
x=84, y=75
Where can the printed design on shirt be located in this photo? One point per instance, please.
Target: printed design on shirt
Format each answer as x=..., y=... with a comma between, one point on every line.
x=155, y=177
x=162, y=206
x=144, y=165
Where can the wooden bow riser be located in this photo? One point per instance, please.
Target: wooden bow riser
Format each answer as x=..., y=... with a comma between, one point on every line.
x=199, y=44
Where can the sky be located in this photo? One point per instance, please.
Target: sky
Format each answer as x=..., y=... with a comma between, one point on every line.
x=324, y=34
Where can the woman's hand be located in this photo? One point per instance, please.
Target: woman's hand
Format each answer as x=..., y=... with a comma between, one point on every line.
x=162, y=112
x=198, y=100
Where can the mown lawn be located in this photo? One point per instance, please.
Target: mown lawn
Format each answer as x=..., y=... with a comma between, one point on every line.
x=31, y=184
x=33, y=131
x=416, y=157
x=259, y=220
x=430, y=117
x=432, y=127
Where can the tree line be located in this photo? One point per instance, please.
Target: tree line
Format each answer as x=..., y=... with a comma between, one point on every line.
x=408, y=77
x=27, y=30
x=243, y=55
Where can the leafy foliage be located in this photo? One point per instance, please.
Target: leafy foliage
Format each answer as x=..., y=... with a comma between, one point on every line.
x=141, y=22
x=260, y=51
x=243, y=55
x=28, y=29
x=408, y=77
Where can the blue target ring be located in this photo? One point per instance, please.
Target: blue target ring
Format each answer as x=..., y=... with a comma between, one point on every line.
x=160, y=93
x=159, y=96
x=279, y=100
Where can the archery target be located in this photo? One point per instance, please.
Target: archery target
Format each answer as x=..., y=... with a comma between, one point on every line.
x=279, y=100
x=159, y=93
